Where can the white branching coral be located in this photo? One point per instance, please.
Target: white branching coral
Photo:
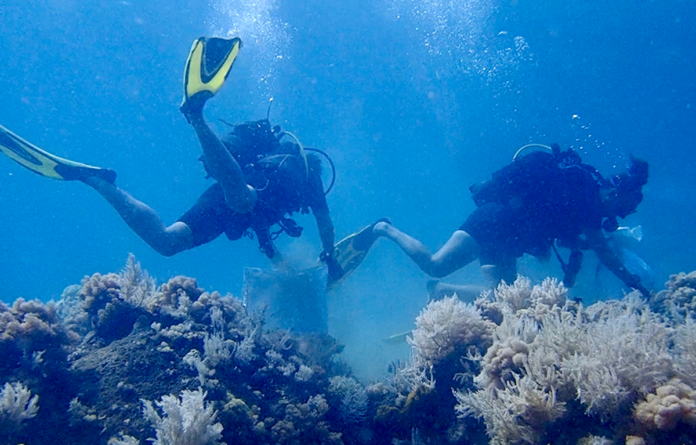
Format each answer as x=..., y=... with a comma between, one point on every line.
x=217, y=350
x=548, y=353
x=353, y=398
x=445, y=326
x=522, y=299
x=137, y=286
x=517, y=413
x=16, y=406
x=618, y=357
x=186, y=420
x=509, y=350
x=516, y=295
x=685, y=352
x=124, y=439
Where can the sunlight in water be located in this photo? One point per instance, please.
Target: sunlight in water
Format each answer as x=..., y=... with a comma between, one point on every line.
x=460, y=35
x=263, y=33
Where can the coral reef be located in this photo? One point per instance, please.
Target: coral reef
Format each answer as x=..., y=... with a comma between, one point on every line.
x=678, y=300
x=122, y=361
x=672, y=403
x=553, y=372
x=445, y=325
x=124, y=339
x=187, y=420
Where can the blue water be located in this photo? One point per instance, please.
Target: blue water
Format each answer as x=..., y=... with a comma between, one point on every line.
x=414, y=101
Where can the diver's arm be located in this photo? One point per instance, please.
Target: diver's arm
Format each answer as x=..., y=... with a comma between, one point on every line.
x=599, y=244
x=325, y=227
x=326, y=233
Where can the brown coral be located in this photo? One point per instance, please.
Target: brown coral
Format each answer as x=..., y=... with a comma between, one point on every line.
x=32, y=325
x=500, y=360
x=177, y=287
x=680, y=296
x=31, y=336
x=98, y=290
x=672, y=403
x=110, y=315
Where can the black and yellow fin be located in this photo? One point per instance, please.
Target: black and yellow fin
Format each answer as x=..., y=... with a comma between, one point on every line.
x=45, y=164
x=350, y=252
x=207, y=67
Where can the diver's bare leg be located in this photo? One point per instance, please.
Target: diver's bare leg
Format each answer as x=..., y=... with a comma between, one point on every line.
x=458, y=251
x=222, y=166
x=465, y=292
x=143, y=220
x=495, y=274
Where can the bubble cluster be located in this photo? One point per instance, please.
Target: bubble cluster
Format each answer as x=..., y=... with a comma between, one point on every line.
x=264, y=34
x=459, y=35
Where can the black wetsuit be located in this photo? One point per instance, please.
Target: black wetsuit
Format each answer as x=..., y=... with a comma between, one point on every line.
x=210, y=216
x=557, y=204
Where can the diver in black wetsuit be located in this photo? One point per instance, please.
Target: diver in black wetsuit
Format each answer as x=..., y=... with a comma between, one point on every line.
x=540, y=200
x=259, y=180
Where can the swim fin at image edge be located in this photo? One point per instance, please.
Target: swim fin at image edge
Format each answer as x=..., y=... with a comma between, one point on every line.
x=46, y=164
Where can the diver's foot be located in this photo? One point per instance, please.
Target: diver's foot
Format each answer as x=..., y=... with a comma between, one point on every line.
x=381, y=228
x=88, y=175
x=432, y=287
x=192, y=108
x=96, y=182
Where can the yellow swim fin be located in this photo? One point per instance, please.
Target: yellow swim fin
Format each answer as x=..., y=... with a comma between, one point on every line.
x=350, y=252
x=207, y=67
x=46, y=164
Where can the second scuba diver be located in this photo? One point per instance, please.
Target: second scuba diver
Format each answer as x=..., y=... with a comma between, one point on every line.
x=540, y=200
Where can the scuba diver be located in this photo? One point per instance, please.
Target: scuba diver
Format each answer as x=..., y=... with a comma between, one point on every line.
x=539, y=201
x=259, y=180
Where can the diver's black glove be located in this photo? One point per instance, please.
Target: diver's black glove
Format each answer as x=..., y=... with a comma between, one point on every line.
x=335, y=270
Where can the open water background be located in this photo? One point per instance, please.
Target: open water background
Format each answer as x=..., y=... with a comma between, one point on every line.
x=414, y=101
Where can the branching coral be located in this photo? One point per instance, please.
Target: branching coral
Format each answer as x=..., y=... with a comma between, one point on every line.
x=617, y=359
x=508, y=352
x=187, y=420
x=517, y=413
x=136, y=285
x=178, y=294
x=685, y=352
x=304, y=423
x=516, y=295
x=604, y=358
x=16, y=406
x=32, y=323
x=352, y=396
x=113, y=302
x=679, y=299
x=672, y=403
x=445, y=326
